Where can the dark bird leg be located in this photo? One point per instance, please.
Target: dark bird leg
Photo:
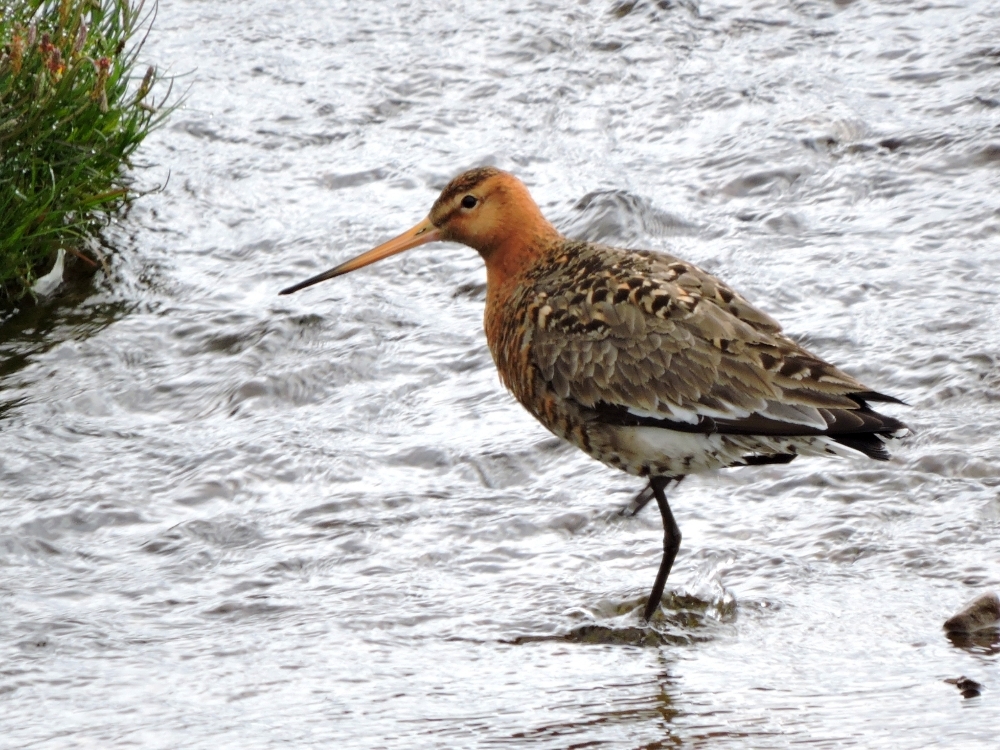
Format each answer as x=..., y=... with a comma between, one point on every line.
x=638, y=502
x=671, y=542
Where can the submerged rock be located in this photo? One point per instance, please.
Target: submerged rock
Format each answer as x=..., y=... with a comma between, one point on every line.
x=969, y=688
x=981, y=613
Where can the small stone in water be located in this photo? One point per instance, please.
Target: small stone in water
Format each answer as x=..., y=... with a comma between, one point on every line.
x=982, y=612
x=969, y=688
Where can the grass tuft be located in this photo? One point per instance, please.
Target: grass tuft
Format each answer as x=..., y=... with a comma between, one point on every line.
x=72, y=113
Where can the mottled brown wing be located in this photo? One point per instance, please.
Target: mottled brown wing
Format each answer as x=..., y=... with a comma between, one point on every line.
x=649, y=337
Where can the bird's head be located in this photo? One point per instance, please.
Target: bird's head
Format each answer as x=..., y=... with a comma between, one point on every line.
x=487, y=209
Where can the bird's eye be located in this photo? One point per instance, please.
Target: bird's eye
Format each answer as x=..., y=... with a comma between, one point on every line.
x=469, y=201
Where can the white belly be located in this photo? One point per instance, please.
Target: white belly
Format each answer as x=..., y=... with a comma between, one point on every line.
x=653, y=450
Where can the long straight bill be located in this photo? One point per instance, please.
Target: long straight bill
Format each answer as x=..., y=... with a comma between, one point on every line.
x=421, y=234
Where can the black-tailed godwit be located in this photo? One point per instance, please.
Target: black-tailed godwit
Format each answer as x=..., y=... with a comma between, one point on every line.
x=642, y=360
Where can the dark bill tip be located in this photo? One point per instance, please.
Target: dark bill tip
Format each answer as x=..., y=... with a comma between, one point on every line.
x=333, y=272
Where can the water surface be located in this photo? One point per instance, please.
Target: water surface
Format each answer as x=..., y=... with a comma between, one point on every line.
x=232, y=519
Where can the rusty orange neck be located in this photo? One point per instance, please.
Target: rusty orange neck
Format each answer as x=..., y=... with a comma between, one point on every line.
x=512, y=237
x=519, y=250
x=518, y=239
x=507, y=263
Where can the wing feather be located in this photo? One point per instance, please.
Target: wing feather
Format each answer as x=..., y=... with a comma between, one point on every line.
x=668, y=344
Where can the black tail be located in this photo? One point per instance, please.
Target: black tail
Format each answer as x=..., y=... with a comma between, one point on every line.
x=871, y=443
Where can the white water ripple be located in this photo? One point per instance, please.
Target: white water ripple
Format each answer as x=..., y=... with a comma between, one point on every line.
x=232, y=519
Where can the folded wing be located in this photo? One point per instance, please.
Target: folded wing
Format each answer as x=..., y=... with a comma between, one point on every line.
x=647, y=339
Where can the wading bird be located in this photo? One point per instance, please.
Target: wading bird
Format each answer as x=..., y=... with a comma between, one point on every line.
x=642, y=360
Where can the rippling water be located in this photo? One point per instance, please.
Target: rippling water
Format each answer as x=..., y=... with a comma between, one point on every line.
x=236, y=519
